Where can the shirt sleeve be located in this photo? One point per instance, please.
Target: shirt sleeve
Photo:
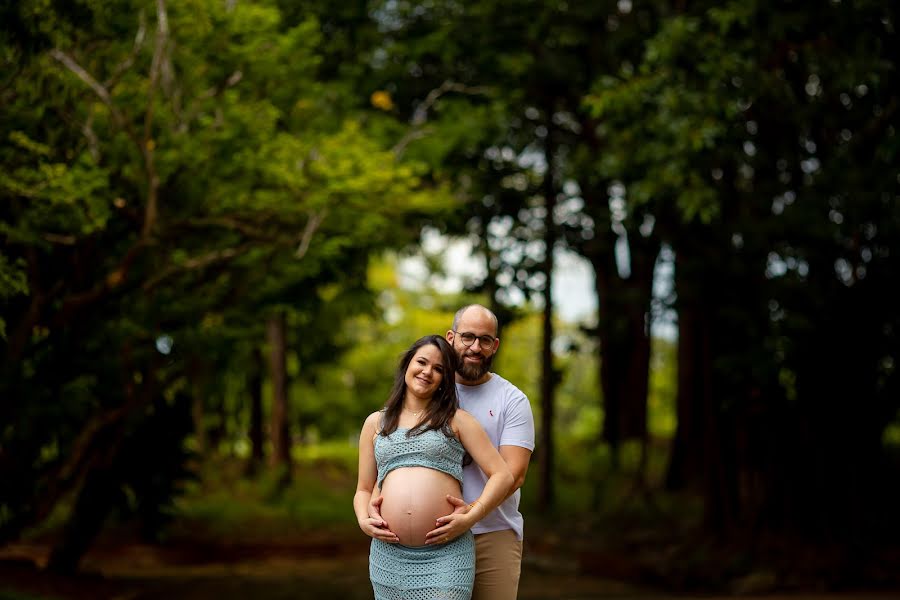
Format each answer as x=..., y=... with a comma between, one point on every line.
x=518, y=428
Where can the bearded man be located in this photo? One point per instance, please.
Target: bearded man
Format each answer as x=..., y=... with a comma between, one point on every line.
x=505, y=413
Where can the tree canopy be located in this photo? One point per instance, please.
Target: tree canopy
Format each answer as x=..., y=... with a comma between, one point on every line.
x=202, y=205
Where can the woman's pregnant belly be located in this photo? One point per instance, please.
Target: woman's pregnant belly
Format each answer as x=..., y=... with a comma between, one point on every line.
x=413, y=498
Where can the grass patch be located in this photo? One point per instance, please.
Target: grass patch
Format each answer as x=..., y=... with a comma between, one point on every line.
x=226, y=503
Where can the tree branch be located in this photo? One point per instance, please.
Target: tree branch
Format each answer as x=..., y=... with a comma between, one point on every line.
x=421, y=113
x=113, y=279
x=93, y=141
x=234, y=224
x=118, y=118
x=194, y=264
x=412, y=134
x=315, y=219
x=97, y=443
x=135, y=50
x=151, y=210
x=212, y=92
x=92, y=83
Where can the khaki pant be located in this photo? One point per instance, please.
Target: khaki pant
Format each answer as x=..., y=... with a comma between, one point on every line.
x=498, y=564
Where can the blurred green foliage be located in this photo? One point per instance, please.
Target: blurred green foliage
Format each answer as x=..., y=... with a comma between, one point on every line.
x=175, y=174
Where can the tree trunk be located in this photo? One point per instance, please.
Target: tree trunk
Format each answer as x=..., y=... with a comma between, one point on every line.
x=198, y=403
x=686, y=468
x=547, y=492
x=257, y=453
x=703, y=446
x=638, y=298
x=609, y=357
x=623, y=329
x=102, y=466
x=95, y=502
x=834, y=493
x=281, y=443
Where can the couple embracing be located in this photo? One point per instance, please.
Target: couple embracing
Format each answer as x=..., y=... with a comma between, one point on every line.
x=440, y=469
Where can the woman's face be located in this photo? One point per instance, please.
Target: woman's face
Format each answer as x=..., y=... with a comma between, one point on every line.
x=425, y=372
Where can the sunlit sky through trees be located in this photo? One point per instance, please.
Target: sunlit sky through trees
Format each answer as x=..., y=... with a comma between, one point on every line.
x=573, y=279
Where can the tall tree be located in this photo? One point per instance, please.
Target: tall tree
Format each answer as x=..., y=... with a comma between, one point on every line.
x=165, y=182
x=753, y=144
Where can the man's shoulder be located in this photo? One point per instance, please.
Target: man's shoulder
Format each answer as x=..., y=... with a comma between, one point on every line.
x=497, y=388
x=508, y=388
x=517, y=416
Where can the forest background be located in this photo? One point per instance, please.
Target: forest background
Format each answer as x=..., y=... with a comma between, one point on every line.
x=205, y=204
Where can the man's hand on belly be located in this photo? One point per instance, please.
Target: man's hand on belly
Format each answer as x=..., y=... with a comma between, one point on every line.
x=450, y=526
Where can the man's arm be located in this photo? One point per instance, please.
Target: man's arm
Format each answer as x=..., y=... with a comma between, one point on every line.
x=517, y=459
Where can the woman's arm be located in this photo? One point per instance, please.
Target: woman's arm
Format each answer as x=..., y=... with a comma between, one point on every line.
x=368, y=473
x=476, y=442
x=486, y=456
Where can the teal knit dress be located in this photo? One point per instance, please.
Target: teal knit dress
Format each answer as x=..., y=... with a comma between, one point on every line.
x=445, y=571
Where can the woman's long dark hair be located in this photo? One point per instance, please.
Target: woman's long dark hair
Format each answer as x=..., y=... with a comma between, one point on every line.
x=444, y=402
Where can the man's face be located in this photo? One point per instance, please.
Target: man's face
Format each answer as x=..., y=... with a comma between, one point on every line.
x=475, y=360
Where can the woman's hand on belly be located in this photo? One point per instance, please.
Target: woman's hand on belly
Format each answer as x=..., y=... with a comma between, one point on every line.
x=414, y=497
x=376, y=527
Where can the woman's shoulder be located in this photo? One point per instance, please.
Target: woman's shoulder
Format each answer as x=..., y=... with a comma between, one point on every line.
x=463, y=418
x=373, y=421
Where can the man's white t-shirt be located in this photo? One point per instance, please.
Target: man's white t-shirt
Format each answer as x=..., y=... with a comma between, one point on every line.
x=505, y=413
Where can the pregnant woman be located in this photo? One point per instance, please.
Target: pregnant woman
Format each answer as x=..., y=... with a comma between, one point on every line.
x=411, y=453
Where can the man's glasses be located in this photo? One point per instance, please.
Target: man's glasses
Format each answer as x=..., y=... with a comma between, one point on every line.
x=468, y=338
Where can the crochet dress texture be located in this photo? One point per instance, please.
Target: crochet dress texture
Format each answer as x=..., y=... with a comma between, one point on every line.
x=445, y=571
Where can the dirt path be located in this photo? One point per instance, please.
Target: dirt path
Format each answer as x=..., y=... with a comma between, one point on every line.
x=318, y=571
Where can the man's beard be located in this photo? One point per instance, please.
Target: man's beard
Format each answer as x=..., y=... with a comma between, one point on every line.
x=474, y=371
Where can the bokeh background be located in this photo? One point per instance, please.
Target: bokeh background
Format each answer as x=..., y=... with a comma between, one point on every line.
x=222, y=221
